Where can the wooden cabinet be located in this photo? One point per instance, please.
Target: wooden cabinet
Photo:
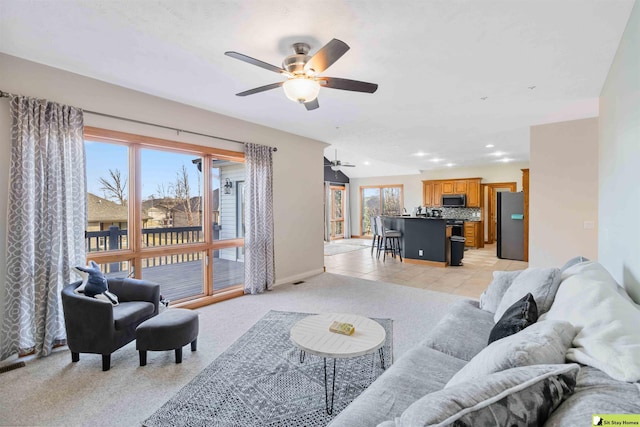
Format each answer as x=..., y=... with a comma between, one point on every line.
x=433, y=190
x=473, y=193
x=448, y=187
x=427, y=193
x=437, y=194
x=460, y=186
x=474, y=235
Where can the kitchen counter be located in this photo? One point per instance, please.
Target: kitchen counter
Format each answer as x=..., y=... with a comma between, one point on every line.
x=425, y=240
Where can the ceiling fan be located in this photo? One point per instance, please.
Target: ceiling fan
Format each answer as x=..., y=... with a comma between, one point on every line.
x=303, y=83
x=336, y=164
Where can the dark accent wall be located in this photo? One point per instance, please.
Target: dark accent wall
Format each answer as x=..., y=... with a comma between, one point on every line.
x=331, y=176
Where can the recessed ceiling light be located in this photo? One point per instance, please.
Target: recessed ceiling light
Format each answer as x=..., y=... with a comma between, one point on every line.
x=505, y=160
x=366, y=163
x=451, y=164
x=436, y=160
x=489, y=146
x=419, y=154
x=498, y=153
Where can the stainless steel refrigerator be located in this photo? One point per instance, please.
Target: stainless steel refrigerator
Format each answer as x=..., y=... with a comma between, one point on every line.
x=510, y=225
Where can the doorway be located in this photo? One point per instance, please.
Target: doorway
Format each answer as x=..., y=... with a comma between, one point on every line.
x=337, y=212
x=490, y=192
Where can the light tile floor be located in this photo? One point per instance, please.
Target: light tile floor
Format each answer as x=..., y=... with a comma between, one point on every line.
x=469, y=280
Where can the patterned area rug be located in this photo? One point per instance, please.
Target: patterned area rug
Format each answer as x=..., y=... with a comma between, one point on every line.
x=259, y=381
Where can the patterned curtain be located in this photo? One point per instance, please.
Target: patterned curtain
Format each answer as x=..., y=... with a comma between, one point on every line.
x=327, y=211
x=46, y=222
x=259, y=265
x=347, y=212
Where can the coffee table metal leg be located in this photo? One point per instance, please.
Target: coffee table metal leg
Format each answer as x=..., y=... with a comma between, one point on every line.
x=381, y=353
x=326, y=387
x=302, y=354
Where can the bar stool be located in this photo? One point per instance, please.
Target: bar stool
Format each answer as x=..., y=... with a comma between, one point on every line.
x=376, y=235
x=390, y=240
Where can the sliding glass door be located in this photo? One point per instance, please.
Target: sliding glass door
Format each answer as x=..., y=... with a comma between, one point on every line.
x=165, y=212
x=337, y=212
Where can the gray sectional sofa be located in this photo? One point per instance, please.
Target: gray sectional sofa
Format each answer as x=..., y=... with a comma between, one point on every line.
x=414, y=391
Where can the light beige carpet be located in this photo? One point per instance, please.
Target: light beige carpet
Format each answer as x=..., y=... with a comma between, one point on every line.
x=53, y=391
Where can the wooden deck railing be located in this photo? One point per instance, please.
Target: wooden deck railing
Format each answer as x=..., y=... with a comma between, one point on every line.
x=115, y=238
x=179, y=275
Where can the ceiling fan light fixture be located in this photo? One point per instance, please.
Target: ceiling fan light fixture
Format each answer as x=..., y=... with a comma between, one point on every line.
x=301, y=89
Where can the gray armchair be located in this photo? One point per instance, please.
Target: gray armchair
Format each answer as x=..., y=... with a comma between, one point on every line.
x=95, y=326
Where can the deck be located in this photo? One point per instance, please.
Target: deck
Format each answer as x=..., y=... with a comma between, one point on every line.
x=184, y=279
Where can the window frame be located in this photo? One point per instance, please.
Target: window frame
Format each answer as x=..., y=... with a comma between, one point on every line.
x=135, y=253
x=334, y=219
x=381, y=188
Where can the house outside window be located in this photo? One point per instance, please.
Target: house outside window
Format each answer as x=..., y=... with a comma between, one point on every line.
x=147, y=213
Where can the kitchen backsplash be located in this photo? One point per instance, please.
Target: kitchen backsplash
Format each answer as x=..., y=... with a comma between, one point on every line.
x=471, y=214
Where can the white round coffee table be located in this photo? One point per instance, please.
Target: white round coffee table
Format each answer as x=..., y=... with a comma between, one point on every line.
x=312, y=335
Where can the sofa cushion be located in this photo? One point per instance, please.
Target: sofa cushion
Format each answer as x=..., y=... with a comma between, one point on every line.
x=491, y=297
x=542, y=283
x=573, y=261
x=518, y=396
x=420, y=371
x=463, y=332
x=130, y=313
x=609, y=337
x=541, y=343
x=521, y=314
x=596, y=393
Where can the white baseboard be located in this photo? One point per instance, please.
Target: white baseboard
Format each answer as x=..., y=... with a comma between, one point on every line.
x=297, y=277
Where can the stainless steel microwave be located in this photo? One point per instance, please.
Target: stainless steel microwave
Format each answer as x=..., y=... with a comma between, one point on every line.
x=454, y=200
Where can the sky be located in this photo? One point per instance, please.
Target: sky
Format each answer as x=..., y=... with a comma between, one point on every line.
x=158, y=167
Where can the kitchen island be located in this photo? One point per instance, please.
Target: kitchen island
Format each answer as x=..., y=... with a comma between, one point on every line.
x=424, y=240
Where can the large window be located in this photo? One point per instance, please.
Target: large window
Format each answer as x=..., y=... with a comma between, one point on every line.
x=379, y=200
x=166, y=212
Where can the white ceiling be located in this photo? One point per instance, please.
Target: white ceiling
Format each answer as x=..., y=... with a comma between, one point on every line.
x=433, y=61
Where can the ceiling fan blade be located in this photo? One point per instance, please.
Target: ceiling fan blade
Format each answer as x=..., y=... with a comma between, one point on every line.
x=257, y=62
x=348, y=165
x=346, y=84
x=312, y=105
x=326, y=56
x=259, y=89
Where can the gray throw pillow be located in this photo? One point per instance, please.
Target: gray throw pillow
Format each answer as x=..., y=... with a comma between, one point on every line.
x=545, y=342
x=518, y=396
x=542, y=283
x=492, y=296
x=521, y=314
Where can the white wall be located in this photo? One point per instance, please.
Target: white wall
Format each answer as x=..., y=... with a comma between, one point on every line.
x=563, y=186
x=619, y=165
x=508, y=172
x=298, y=170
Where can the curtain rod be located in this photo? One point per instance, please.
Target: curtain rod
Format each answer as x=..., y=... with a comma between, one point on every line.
x=4, y=94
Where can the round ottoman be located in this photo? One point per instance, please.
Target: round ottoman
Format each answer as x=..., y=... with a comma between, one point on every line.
x=170, y=330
